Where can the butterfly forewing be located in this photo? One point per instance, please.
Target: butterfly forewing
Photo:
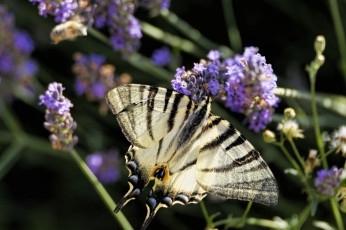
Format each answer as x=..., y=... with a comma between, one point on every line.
x=144, y=112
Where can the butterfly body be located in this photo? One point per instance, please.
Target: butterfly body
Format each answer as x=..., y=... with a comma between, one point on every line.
x=187, y=150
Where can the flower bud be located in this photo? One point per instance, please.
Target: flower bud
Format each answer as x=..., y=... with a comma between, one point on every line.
x=269, y=136
x=320, y=44
x=320, y=60
x=289, y=113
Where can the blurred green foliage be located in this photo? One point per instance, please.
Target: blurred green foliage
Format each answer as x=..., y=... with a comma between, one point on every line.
x=44, y=189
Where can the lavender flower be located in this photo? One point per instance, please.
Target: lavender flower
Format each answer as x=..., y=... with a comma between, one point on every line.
x=245, y=83
x=16, y=68
x=328, y=180
x=104, y=166
x=95, y=78
x=124, y=28
x=58, y=118
x=338, y=140
x=116, y=15
x=161, y=57
x=63, y=9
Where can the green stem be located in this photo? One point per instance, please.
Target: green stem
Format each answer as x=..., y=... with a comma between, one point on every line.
x=11, y=120
x=330, y=151
x=334, y=102
x=101, y=191
x=290, y=158
x=303, y=216
x=320, y=146
x=337, y=215
x=137, y=60
x=9, y=157
x=194, y=34
x=170, y=39
x=340, y=34
x=232, y=29
x=296, y=152
x=205, y=214
x=247, y=210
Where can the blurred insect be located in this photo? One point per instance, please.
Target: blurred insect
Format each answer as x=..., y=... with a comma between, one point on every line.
x=67, y=31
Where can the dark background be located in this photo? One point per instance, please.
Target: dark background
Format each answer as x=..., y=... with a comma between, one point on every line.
x=46, y=190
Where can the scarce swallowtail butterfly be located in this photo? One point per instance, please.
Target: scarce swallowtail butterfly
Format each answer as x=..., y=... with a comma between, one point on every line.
x=188, y=151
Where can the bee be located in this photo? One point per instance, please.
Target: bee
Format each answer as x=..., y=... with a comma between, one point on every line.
x=67, y=31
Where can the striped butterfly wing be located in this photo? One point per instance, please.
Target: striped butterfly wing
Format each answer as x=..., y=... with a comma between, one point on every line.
x=164, y=128
x=187, y=151
x=145, y=113
x=229, y=166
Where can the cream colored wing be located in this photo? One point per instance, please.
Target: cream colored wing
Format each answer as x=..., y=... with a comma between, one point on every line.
x=229, y=166
x=147, y=113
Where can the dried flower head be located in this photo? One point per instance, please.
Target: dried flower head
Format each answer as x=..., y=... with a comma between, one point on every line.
x=312, y=161
x=104, y=166
x=245, y=83
x=328, y=180
x=338, y=140
x=58, y=118
x=290, y=129
x=289, y=113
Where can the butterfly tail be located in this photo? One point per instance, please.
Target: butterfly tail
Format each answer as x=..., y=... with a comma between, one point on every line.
x=152, y=207
x=133, y=193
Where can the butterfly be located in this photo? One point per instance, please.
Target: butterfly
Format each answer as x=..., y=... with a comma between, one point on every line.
x=188, y=151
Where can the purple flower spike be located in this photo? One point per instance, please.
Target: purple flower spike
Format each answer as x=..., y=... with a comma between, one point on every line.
x=245, y=83
x=161, y=57
x=95, y=78
x=328, y=180
x=17, y=69
x=104, y=166
x=58, y=118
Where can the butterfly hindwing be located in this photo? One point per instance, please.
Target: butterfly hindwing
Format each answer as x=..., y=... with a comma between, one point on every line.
x=229, y=166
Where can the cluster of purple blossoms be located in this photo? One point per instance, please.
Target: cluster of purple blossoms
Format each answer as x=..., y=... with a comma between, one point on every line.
x=245, y=83
x=161, y=57
x=124, y=28
x=328, y=180
x=115, y=15
x=16, y=68
x=58, y=118
x=63, y=9
x=95, y=78
x=104, y=166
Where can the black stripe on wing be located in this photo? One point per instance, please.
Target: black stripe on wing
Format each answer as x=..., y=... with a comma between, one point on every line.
x=251, y=156
x=152, y=93
x=240, y=140
x=167, y=97
x=219, y=139
x=174, y=110
x=194, y=121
